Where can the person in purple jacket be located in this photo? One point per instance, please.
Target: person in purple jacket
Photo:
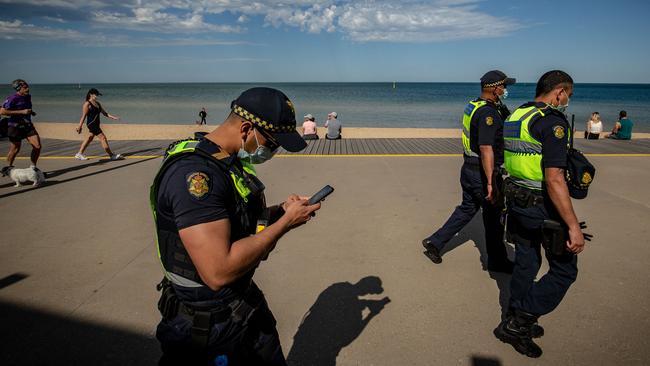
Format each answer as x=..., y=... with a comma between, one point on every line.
x=19, y=109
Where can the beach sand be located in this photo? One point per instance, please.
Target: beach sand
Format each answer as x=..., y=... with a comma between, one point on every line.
x=117, y=131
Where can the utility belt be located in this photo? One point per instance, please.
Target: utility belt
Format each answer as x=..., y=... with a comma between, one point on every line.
x=520, y=196
x=240, y=310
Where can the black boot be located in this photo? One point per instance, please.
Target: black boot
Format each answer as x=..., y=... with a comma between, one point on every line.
x=536, y=330
x=515, y=330
x=431, y=251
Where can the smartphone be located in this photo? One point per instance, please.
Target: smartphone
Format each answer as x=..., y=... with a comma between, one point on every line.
x=320, y=195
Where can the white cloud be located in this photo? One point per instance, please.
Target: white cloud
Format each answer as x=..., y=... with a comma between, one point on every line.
x=16, y=29
x=154, y=20
x=420, y=22
x=361, y=21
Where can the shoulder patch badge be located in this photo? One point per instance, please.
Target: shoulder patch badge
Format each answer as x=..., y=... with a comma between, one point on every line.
x=558, y=131
x=198, y=184
x=489, y=120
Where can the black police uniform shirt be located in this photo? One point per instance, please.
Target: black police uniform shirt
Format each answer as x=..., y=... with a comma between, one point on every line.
x=194, y=191
x=552, y=131
x=486, y=128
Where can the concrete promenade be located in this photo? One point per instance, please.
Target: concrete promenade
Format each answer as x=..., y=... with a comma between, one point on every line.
x=78, y=265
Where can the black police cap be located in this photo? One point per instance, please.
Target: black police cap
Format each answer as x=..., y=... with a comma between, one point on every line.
x=271, y=110
x=579, y=174
x=495, y=78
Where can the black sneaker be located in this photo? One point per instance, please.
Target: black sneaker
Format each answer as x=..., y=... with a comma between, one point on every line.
x=431, y=251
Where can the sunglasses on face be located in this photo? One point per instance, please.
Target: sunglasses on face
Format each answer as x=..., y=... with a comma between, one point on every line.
x=271, y=143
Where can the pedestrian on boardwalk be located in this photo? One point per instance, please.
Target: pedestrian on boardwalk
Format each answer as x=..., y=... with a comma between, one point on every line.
x=539, y=211
x=480, y=175
x=214, y=229
x=309, y=129
x=90, y=113
x=19, y=109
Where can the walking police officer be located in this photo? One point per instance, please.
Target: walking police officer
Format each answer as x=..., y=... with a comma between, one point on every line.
x=539, y=209
x=213, y=229
x=480, y=175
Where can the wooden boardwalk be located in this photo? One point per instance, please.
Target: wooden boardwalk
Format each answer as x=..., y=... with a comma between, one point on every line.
x=371, y=146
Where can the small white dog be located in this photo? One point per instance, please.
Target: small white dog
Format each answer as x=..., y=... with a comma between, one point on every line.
x=31, y=174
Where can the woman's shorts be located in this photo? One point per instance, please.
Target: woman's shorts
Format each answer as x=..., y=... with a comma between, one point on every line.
x=94, y=128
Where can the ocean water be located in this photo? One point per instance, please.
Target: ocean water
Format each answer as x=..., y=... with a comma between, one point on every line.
x=431, y=105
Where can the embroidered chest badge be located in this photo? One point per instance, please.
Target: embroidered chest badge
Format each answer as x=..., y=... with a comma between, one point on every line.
x=198, y=184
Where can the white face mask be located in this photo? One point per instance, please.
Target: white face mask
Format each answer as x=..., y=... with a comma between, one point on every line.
x=504, y=95
x=259, y=156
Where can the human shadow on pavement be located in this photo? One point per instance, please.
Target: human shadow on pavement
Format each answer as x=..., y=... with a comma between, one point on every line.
x=49, y=183
x=475, y=232
x=39, y=337
x=485, y=361
x=335, y=321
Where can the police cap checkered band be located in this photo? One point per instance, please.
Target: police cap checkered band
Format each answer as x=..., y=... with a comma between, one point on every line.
x=243, y=113
x=496, y=78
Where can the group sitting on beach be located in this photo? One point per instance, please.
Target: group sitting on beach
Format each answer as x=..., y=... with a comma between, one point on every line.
x=333, y=125
x=622, y=129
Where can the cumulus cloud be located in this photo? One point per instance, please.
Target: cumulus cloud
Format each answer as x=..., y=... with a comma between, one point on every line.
x=16, y=29
x=361, y=21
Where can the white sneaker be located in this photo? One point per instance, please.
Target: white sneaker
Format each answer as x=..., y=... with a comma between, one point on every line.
x=116, y=157
x=79, y=156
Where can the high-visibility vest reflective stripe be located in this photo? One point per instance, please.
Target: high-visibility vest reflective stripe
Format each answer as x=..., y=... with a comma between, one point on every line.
x=470, y=110
x=172, y=153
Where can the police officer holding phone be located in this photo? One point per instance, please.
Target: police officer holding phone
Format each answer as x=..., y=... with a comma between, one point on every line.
x=539, y=211
x=214, y=229
x=480, y=175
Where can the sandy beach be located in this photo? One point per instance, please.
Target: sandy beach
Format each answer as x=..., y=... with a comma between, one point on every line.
x=120, y=131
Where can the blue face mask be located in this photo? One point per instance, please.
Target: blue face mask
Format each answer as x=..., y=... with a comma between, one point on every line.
x=259, y=156
x=562, y=107
x=504, y=95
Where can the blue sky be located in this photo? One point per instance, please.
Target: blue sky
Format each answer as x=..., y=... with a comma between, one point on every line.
x=70, y=41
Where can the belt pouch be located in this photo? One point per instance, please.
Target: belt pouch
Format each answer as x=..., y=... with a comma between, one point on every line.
x=554, y=237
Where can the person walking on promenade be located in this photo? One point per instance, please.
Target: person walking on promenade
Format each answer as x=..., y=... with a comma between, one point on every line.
x=480, y=175
x=90, y=113
x=623, y=128
x=214, y=229
x=203, y=114
x=19, y=109
x=536, y=145
x=334, y=127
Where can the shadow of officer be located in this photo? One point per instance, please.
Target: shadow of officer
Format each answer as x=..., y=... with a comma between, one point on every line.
x=474, y=231
x=334, y=321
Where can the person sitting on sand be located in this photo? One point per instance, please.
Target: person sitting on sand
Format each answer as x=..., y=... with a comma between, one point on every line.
x=594, y=127
x=333, y=127
x=623, y=128
x=309, y=128
x=90, y=112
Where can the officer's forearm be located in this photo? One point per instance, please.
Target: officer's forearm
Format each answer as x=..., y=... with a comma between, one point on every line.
x=487, y=160
x=559, y=194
